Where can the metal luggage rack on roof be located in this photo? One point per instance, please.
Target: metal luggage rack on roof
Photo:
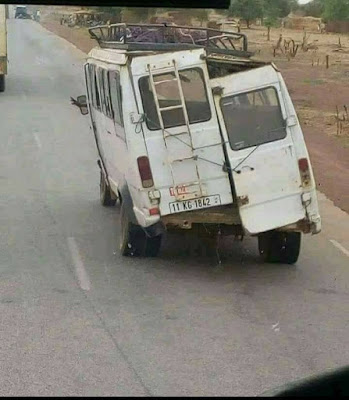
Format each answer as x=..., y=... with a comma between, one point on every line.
x=169, y=37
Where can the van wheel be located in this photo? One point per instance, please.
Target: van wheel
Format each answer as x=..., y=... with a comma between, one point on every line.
x=2, y=83
x=132, y=237
x=104, y=192
x=152, y=246
x=279, y=247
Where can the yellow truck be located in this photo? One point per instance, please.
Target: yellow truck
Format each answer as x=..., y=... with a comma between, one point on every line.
x=3, y=46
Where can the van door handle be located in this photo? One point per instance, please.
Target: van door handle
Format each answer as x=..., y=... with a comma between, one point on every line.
x=109, y=132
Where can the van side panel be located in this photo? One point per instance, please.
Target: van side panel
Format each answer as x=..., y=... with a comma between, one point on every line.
x=300, y=147
x=135, y=147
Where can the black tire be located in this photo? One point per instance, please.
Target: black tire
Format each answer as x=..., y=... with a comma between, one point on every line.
x=279, y=247
x=2, y=83
x=152, y=246
x=132, y=237
x=105, y=193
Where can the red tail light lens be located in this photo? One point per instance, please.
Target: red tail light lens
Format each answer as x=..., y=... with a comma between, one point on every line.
x=145, y=172
x=303, y=164
x=154, y=211
x=304, y=171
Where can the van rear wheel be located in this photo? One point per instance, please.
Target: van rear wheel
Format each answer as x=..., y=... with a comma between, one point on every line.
x=105, y=193
x=132, y=237
x=279, y=247
x=133, y=240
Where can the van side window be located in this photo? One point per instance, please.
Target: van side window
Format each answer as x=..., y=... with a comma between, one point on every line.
x=253, y=118
x=115, y=96
x=91, y=80
x=88, y=81
x=195, y=96
x=107, y=101
x=97, y=102
x=101, y=89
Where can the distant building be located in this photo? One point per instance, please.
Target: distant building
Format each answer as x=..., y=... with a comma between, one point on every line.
x=337, y=26
x=309, y=24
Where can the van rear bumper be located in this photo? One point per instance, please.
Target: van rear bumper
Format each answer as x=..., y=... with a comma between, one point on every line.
x=152, y=225
x=311, y=225
x=145, y=220
x=226, y=214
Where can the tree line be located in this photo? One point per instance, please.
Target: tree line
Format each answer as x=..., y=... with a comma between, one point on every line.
x=271, y=10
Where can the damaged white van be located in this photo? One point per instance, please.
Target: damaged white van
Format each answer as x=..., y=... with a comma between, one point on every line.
x=193, y=133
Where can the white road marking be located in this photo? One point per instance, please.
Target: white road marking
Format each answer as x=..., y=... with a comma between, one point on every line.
x=276, y=327
x=340, y=247
x=81, y=273
x=37, y=140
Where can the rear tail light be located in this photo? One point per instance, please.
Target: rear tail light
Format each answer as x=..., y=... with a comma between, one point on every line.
x=303, y=165
x=154, y=211
x=145, y=172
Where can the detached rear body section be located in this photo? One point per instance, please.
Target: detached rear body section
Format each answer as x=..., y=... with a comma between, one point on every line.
x=195, y=138
x=272, y=175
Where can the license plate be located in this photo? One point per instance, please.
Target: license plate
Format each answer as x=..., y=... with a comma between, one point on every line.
x=195, y=204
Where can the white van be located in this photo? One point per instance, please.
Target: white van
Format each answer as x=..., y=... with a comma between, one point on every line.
x=195, y=134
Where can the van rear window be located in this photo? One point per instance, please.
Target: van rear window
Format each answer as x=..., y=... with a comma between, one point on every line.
x=194, y=92
x=253, y=118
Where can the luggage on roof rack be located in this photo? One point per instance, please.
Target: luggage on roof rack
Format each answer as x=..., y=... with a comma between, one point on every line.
x=169, y=37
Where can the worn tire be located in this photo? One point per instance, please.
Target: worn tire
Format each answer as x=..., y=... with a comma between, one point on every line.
x=105, y=193
x=279, y=247
x=2, y=83
x=132, y=237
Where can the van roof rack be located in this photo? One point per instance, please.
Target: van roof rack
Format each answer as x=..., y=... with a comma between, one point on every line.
x=169, y=37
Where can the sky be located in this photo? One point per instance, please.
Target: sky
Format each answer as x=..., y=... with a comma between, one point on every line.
x=303, y=1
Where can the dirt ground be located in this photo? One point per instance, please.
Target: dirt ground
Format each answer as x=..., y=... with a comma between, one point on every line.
x=317, y=92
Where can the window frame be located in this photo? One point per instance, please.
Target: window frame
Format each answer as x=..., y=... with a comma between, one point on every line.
x=100, y=80
x=246, y=93
x=118, y=119
x=87, y=70
x=96, y=95
x=108, y=106
x=203, y=80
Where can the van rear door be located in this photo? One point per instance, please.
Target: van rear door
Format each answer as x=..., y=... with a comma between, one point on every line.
x=261, y=152
x=181, y=133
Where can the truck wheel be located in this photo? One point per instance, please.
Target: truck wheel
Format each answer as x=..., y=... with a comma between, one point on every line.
x=132, y=237
x=279, y=247
x=152, y=246
x=105, y=193
x=2, y=83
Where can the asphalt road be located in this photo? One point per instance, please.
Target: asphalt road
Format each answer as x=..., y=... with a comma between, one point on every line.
x=78, y=319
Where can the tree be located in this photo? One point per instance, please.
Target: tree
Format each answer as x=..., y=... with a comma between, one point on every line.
x=137, y=15
x=314, y=8
x=274, y=9
x=294, y=5
x=277, y=8
x=247, y=9
x=336, y=10
x=113, y=11
x=201, y=15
